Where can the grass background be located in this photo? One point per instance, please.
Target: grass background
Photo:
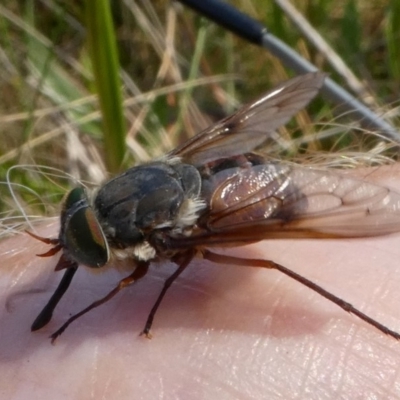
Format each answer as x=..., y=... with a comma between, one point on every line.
x=85, y=93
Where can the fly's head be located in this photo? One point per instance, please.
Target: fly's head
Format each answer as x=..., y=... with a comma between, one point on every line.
x=81, y=236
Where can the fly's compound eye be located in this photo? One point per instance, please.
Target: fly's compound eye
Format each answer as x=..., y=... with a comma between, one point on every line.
x=81, y=234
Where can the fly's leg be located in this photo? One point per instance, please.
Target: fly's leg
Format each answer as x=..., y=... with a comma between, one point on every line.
x=45, y=315
x=182, y=261
x=223, y=259
x=137, y=274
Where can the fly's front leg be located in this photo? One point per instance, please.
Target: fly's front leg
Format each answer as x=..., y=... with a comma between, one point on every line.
x=137, y=274
x=45, y=315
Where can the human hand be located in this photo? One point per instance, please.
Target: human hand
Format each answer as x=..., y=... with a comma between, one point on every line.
x=222, y=331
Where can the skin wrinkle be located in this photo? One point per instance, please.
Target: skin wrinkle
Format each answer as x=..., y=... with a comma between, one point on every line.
x=93, y=371
x=395, y=381
x=345, y=356
x=391, y=386
x=366, y=381
x=307, y=374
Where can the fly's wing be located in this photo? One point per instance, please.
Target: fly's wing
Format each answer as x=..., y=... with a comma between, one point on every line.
x=251, y=125
x=280, y=201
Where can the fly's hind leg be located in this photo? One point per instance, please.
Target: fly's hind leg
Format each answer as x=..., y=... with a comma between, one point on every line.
x=223, y=259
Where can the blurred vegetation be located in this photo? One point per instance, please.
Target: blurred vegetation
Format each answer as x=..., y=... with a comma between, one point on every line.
x=178, y=73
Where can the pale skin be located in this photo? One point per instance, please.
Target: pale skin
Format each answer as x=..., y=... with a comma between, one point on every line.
x=223, y=332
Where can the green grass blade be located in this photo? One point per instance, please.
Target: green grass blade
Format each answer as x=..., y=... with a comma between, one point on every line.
x=393, y=38
x=103, y=52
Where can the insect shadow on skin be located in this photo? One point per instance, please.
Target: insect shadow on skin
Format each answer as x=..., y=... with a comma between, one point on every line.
x=217, y=190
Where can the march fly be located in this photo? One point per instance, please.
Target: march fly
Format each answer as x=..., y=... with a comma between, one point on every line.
x=217, y=189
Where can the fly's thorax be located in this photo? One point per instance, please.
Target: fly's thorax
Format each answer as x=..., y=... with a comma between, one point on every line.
x=144, y=199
